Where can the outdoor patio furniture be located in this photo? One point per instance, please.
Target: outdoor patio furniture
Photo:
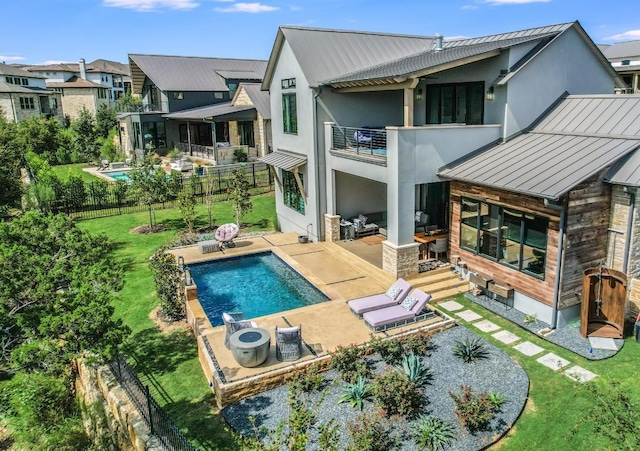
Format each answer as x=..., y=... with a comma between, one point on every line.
x=226, y=233
x=421, y=220
x=234, y=322
x=104, y=164
x=288, y=343
x=362, y=227
x=393, y=296
x=438, y=247
x=208, y=246
x=250, y=347
x=408, y=311
x=182, y=166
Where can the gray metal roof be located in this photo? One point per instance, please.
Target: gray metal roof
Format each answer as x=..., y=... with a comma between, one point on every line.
x=8, y=69
x=623, y=49
x=626, y=171
x=210, y=111
x=108, y=67
x=429, y=59
x=579, y=138
x=260, y=99
x=238, y=75
x=529, y=32
x=284, y=160
x=324, y=54
x=184, y=73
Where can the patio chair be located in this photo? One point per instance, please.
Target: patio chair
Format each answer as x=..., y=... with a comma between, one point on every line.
x=288, y=343
x=235, y=322
x=397, y=315
x=226, y=233
x=439, y=246
x=104, y=164
x=393, y=296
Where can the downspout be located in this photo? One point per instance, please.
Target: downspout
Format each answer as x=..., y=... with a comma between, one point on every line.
x=317, y=92
x=13, y=108
x=627, y=239
x=556, y=288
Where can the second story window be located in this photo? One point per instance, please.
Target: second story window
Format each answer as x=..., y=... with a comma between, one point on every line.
x=178, y=96
x=455, y=103
x=289, y=113
x=102, y=93
x=626, y=62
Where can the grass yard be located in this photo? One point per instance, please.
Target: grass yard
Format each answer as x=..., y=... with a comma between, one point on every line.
x=556, y=403
x=168, y=362
x=63, y=172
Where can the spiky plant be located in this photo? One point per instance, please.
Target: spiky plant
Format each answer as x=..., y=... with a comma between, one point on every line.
x=496, y=400
x=470, y=350
x=356, y=393
x=432, y=433
x=415, y=369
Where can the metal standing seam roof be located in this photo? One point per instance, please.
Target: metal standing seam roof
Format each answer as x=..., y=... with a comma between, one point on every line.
x=209, y=111
x=260, y=99
x=284, y=160
x=623, y=49
x=626, y=172
x=186, y=73
x=579, y=138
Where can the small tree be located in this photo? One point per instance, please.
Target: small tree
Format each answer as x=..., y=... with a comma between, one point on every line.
x=106, y=121
x=187, y=209
x=148, y=184
x=209, y=191
x=239, y=194
x=167, y=278
x=85, y=128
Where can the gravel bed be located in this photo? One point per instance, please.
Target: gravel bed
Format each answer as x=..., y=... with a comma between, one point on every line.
x=567, y=337
x=499, y=374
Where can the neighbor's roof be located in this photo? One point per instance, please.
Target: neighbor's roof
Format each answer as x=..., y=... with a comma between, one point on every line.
x=324, y=54
x=8, y=69
x=9, y=87
x=580, y=137
x=260, y=99
x=185, y=73
x=626, y=172
x=108, y=67
x=212, y=111
x=623, y=49
x=75, y=82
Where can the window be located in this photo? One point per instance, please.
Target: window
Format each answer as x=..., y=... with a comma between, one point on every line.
x=511, y=237
x=102, y=93
x=626, y=62
x=290, y=117
x=154, y=135
x=291, y=194
x=27, y=103
x=18, y=81
x=461, y=103
x=178, y=96
x=54, y=102
x=245, y=130
x=233, y=87
x=218, y=95
x=288, y=83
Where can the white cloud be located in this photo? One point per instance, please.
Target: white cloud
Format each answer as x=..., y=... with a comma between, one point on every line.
x=467, y=7
x=514, y=2
x=150, y=5
x=11, y=58
x=626, y=36
x=247, y=8
x=48, y=62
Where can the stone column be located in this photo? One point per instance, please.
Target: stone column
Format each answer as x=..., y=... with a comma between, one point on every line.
x=400, y=261
x=332, y=227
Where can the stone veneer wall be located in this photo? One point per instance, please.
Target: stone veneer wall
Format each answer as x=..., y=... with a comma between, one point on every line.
x=10, y=104
x=332, y=227
x=400, y=261
x=124, y=429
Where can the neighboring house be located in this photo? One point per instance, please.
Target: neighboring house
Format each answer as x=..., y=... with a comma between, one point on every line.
x=244, y=123
x=168, y=84
x=625, y=59
x=23, y=94
x=362, y=122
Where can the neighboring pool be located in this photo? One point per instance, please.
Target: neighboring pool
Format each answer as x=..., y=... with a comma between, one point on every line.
x=257, y=285
x=118, y=175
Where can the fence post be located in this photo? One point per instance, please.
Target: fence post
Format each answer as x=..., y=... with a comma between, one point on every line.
x=253, y=172
x=148, y=395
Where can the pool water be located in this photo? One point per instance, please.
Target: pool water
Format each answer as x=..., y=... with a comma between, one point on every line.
x=256, y=285
x=118, y=175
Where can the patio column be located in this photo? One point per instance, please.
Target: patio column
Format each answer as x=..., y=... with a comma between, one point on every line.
x=332, y=227
x=408, y=107
x=189, y=138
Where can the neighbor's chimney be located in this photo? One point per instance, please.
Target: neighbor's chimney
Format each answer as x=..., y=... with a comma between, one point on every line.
x=83, y=69
x=439, y=39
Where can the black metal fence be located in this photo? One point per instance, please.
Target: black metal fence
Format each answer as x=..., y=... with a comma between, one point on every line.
x=101, y=198
x=155, y=417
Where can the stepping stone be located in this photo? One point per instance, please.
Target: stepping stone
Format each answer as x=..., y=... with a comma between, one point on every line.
x=579, y=374
x=469, y=315
x=553, y=361
x=486, y=326
x=603, y=343
x=528, y=348
x=505, y=337
x=452, y=306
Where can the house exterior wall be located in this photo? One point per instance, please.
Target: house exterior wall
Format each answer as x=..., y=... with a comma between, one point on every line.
x=74, y=99
x=191, y=99
x=10, y=105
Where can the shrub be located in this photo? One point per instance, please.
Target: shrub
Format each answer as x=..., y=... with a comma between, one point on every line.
x=240, y=156
x=390, y=350
x=396, y=394
x=470, y=350
x=530, y=318
x=167, y=278
x=419, y=343
x=371, y=432
x=308, y=380
x=474, y=410
x=415, y=369
x=433, y=433
x=356, y=393
x=348, y=361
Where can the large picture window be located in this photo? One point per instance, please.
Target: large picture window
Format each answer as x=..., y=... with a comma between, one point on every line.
x=289, y=113
x=511, y=237
x=291, y=193
x=245, y=131
x=154, y=135
x=460, y=103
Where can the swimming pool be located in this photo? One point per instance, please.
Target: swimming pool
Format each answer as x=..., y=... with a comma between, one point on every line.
x=118, y=175
x=257, y=285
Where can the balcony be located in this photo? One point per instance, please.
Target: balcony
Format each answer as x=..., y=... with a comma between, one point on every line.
x=365, y=144
x=137, y=107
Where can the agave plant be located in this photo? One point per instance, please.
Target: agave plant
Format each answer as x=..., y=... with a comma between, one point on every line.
x=432, y=433
x=356, y=393
x=415, y=369
x=470, y=350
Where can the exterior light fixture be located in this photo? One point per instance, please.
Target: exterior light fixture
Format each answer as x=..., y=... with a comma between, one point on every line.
x=490, y=95
x=419, y=94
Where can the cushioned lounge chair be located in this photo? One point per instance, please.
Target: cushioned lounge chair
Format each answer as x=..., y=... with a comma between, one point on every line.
x=235, y=322
x=288, y=343
x=394, y=296
x=396, y=315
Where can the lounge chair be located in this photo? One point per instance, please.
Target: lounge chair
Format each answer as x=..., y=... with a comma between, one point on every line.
x=393, y=296
x=288, y=343
x=408, y=311
x=235, y=322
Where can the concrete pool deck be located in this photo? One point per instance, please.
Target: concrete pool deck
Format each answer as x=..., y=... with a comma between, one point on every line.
x=340, y=274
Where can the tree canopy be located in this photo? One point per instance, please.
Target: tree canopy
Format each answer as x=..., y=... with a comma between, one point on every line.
x=10, y=160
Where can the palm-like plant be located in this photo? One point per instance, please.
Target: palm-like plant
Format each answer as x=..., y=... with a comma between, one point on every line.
x=356, y=393
x=432, y=433
x=470, y=350
x=415, y=369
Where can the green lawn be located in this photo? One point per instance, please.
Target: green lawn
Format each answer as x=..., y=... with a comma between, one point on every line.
x=168, y=362
x=63, y=172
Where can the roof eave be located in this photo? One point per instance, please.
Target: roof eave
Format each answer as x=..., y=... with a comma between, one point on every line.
x=273, y=60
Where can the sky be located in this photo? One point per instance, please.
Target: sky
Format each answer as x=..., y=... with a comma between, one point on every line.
x=46, y=31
